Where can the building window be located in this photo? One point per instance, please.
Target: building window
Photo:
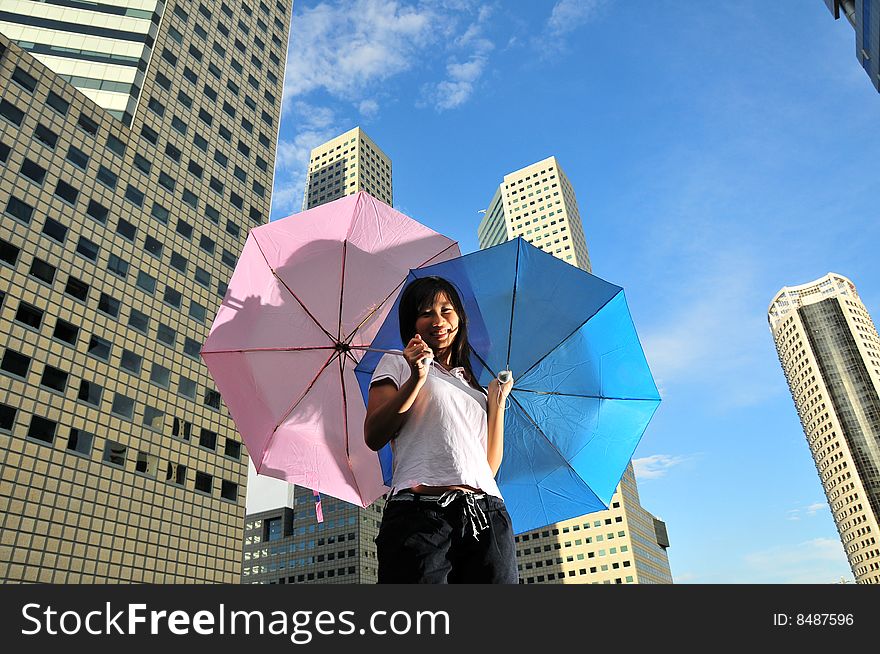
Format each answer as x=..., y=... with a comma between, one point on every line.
x=87, y=248
x=11, y=113
x=55, y=230
x=77, y=157
x=66, y=192
x=42, y=429
x=208, y=439
x=107, y=177
x=97, y=211
x=80, y=441
x=57, y=103
x=122, y=406
x=160, y=213
x=29, y=315
x=46, y=136
x=42, y=271
x=130, y=362
x=117, y=266
x=160, y=375
x=65, y=331
x=165, y=334
x=154, y=419
x=33, y=171
x=15, y=363
x=172, y=297
x=86, y=124
x=187, y=387
x=204, y=482
x=109, y=305
x=90, y=392
x=126, y=230
x=77, y=288
x=115, y=145
x=153, y=246
x=99, y=348
x=191, y=348
x=114, y=453
x=19, y=210
x=138, y=321
x=54, y=378
x=229, y=490
x=145, y=282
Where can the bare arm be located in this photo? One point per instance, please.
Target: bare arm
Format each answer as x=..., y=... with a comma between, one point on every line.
x=387, y=406
x=497, y=396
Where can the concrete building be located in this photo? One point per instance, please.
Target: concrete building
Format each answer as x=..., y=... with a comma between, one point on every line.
x=830, y=353
x=864, y=16
x=136, y=149
x=288, y=545
x=624, y=544
x=538, y=203
x=344, y=165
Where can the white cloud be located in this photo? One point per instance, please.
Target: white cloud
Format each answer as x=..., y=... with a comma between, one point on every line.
x=567, y=15
x=808, y=511
x=344, y=47
x=462, y=77
x=656, y=465
x=816, y=561
x=459, y=85
x=368, y=108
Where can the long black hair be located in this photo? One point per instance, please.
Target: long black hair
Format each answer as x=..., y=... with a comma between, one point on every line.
x=422, y=293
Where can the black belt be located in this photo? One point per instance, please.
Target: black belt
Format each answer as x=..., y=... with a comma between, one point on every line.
x=472, y=513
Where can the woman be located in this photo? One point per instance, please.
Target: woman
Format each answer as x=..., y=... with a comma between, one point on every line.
x=445, y=521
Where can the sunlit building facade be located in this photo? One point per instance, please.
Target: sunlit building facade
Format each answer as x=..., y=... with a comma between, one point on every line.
x=136, y=147
x=344, y=165
x=830, y=353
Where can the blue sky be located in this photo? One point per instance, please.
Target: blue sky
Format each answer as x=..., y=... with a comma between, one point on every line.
x=719, y=151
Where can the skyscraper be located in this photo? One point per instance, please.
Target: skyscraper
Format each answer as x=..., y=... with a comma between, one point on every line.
x=538, y=203
x=863, y=15
x=624, y=544
x=136, y=145
x=830, y=352
x=288, y=545
x=344, y=165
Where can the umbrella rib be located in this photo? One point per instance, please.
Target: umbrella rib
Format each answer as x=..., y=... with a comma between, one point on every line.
x=575, y=331
x=342, y=290
x=345, y=426
x=586, y=397
x=290, y=290
x=349, y=338
x=271, y=349
x=513, y=304
x=294, y=405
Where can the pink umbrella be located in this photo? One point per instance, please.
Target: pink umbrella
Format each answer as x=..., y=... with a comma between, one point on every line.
x=306, y=299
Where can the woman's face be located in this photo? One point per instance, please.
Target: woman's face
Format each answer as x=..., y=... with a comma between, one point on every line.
x=437, y=323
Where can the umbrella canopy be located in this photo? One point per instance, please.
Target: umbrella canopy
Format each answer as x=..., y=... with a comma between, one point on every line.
x=307, y=292
x=583, y=393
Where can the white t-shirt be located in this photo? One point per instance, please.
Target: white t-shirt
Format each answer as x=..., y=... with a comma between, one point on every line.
x=444, y=439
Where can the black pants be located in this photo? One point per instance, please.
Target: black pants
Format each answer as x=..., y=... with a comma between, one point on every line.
x=421, y=542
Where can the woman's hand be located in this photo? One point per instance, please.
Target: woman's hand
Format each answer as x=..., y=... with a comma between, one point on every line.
x=498, y=392
x=414, y=353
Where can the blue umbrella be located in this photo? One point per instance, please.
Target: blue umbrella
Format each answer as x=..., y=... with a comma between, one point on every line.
x=583, y=393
